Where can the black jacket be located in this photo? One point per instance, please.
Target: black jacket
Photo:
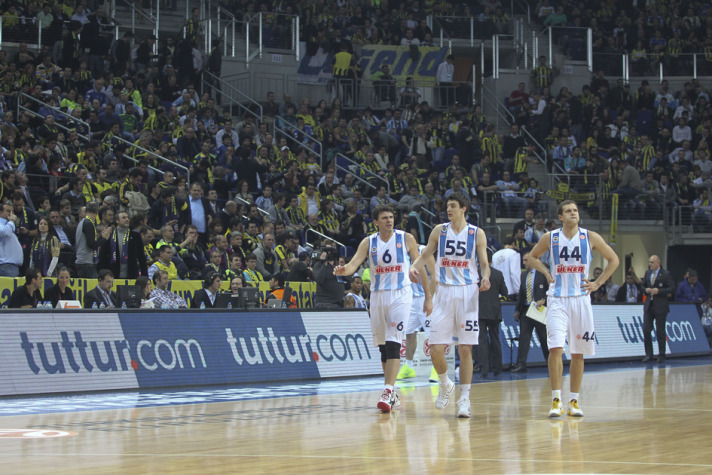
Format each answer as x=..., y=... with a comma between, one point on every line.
x=622, y=294
x=94, y=297
x=136, y=261
x=201, y=296
x=541, y=285
x=328, y=288
x=54, y=295
x=490, y=305
x=659, y=303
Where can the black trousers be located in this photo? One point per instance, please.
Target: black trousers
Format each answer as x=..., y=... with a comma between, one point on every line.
x=526, y=327
x=489, y=349
x=660, y=319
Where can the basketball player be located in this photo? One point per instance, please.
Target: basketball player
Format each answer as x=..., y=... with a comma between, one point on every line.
x=460, y=247
x=389, y=252
x=354, y=299
x=417, y=319
x=570, y=313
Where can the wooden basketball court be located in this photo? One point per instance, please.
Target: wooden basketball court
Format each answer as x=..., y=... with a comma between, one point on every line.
x=637, y=420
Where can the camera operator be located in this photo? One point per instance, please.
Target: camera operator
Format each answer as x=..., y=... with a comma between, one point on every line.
x=329, y=291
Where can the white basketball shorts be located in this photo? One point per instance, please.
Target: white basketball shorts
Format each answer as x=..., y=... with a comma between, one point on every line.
x=390, y=310
x=455, y=315
x=417, y=317
x=572, y=318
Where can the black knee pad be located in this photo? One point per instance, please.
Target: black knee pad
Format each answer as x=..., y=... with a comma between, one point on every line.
x=393, y=350
x=382, y=349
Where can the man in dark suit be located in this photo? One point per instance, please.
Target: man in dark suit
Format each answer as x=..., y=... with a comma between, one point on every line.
x=102, y=293
x=489, y=350
x=123, y=252
x=631, y=291
x=658, y=284
x=201, y=213
x=532, y=288
x=206, y=295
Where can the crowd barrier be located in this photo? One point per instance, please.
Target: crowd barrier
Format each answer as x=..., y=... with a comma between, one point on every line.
x=303, y=292
x=619, y=334
x=86, y=350
x=47, y=351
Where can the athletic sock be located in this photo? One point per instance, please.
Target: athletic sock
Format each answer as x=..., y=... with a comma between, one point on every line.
x=409, y=363
x=556, y=394
x=465, y=391
x=388, y=386
x=444, y=380
x=573, y=396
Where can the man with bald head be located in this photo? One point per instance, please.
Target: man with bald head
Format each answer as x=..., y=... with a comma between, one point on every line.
x=658, y=285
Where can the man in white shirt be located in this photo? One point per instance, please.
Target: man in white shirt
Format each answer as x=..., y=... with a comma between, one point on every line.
x=508, y=261
x=515, y=205
x=444, y=77
x=227, y=130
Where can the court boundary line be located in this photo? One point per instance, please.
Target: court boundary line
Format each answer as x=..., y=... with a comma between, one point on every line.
x=351, y=457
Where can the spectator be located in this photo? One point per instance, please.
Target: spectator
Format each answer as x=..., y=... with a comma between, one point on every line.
x=44, y=252
x=631, y=291
x=102, y=296
x=60, y=290
x=489, y=350
x=267, y=262
x=251, y=274
x=276, y=286
x=27, y=295
x=690, y=290
x=11, y=254
x=533, y=288
x=706, y=319
x=161, y=296
x=508, y=262
x=205, y=297
x=164, y=263
x=236, y=283
x=89, y=240
x=445, y=76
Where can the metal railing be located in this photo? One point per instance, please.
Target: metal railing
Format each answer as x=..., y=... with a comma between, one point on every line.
x=310, y=230
x=56, y=111
x=140, y=13
x=568, y=39
x=236, y=97
x=274, y=31
x=357, y=166
x=347, y=171
x=239, y=199
x=501, y=112
x=469, y=29
x=35, y=33
x=282, y=128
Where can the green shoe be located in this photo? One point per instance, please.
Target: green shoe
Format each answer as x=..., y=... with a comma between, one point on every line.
x=406, y=372
x=434, y=378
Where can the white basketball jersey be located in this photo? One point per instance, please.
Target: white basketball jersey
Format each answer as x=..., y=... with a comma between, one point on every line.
x=457, y=256
x=570, y=262
x=389, y=262
x=359, y=301
x=418, y=288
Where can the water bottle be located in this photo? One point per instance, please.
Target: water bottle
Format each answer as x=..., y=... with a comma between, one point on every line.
x=202, y=305
x=123, y=305
x=94, y=305
x=101, y=305
x=229, y=305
